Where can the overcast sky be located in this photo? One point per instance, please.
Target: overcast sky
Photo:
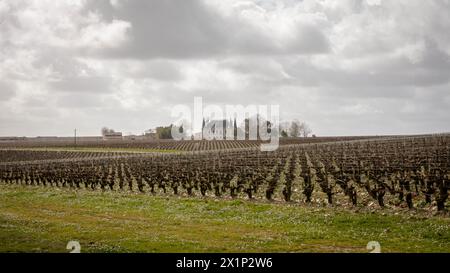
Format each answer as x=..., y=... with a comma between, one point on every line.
x=345, y=67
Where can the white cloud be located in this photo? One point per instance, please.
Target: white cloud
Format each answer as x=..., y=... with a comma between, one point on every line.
x=105, y=35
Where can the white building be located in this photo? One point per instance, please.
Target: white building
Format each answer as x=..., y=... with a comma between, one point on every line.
x=113, y=136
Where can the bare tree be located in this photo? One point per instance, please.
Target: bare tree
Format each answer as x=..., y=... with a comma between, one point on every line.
x=106, y=130
x=305, y=130
x=284, y=128
x=295, y=129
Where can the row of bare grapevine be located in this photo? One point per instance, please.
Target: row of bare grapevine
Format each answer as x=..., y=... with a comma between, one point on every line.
x=399, y=172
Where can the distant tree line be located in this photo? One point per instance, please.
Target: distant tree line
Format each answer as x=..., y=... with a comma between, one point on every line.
x=107, y=131
x=294, y=128
x=165, y=132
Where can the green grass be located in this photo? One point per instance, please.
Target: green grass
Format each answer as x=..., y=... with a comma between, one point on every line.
x=97, y=149
x=39, y=219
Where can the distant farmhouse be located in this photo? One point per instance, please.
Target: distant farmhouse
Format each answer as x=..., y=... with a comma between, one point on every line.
x=113, y=136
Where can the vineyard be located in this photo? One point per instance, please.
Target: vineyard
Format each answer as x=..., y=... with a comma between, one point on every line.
x=184, y=145
x=24, y=156
x=405, y=172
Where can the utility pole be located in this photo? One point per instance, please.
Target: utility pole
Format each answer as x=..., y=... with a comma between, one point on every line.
x=75, y=137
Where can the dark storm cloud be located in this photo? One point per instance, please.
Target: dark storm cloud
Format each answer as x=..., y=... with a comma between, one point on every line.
x=7, y=90
x=309, y=40
x=77, y=101
x=192, y=29
x=82, y=84
x=174, y=29
x=432, y=69
x=163, y=70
